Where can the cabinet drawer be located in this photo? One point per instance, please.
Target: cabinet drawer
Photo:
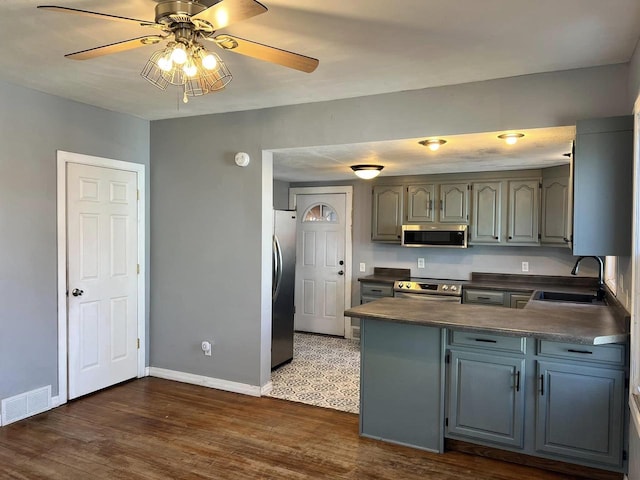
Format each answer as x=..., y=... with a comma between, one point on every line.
x=489, y=297
x=488, y=341
x=376, y=290
x=613, y=354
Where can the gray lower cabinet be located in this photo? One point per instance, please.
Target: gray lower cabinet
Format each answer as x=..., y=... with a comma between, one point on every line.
x=580, y=412
x=497, y=298
x=560, y=401
x=518, y=300
x=401, y=384
x=486, y=397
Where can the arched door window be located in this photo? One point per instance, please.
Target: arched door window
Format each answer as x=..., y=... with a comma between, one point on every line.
x=320, y=212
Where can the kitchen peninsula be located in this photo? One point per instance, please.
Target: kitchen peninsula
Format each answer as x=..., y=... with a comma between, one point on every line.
x=547, y=381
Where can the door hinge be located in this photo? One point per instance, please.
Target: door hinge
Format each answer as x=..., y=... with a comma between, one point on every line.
x=138, y=344
x=539, y=236
x=447, y=358
x=540, y=185
x=138, y=194
x=625, y=455
x=138, y=268
x=468, y=187
x=446, y=422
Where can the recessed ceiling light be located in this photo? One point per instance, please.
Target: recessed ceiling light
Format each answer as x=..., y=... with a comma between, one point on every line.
x=367, y=171
x=511, y=138
x=433, y=143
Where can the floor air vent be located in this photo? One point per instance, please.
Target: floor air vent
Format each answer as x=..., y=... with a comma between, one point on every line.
x=26, y=404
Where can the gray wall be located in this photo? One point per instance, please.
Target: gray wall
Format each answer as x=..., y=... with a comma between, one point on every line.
x=34, y=126
x=207, y=228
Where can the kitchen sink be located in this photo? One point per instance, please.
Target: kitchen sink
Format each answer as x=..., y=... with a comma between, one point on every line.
x=568, y=297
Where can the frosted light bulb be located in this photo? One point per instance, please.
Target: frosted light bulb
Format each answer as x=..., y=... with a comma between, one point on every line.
x=165, y=64
x=433, y=146
x=179, y=55
x=511, y=140
x=190, y=70
x=209, y=62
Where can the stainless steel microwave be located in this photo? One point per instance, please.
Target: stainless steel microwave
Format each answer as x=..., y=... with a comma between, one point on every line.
x=435, y=235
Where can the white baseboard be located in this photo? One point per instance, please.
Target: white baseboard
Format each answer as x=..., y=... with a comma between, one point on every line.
x=55, y=401
x=266, y=388
x=210, y=382
x=147, y=371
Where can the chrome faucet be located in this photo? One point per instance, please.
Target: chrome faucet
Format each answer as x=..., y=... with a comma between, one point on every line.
x=574, y=271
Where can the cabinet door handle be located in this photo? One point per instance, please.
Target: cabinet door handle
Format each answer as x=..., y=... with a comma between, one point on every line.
x=585, y=352
x=441, y=205
x=518, y=381
x=484, y=298
x=542, y=385
x=375, y=290
x=485, y=340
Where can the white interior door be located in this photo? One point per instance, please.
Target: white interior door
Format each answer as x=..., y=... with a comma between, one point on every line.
x=102, y=277
x=320, y=264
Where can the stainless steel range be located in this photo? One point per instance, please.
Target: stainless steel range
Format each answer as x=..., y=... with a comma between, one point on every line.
x=429, y=289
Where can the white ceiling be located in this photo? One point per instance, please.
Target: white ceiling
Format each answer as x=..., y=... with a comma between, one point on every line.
x=364, y=46
x=478, y=152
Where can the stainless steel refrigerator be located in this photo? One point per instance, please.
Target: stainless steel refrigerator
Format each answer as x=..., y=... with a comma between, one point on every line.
x=284, y=269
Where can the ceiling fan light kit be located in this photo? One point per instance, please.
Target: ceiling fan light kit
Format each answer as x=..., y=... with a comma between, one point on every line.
x=367, y=172
x=185, y=62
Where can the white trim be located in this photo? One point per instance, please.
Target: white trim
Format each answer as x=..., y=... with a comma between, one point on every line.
x=347, y=190
x=210, y=382
x=55, y=401
x=62, y=159
x=634, y=354
x=147, y=371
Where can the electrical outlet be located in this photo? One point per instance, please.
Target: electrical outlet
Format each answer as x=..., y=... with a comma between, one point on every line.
x=206, y=348
x=525, y=266
x=421, y=262
x=363, y=267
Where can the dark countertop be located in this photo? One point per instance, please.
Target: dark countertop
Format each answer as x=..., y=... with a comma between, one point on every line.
x=561, y=322
x=530, y=283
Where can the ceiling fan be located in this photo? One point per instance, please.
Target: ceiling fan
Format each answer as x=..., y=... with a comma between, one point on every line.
x=184, y=61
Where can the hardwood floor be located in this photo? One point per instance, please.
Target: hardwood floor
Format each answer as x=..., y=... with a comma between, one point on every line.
x=158, y=429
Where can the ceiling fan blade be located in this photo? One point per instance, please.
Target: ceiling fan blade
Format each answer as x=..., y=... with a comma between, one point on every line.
x=267, y=53
x=104, y=16
x=115, y=47
x=226, y=12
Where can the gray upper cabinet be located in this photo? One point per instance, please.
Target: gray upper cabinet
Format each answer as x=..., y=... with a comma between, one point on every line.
x=523, y=212
x=454, y=203
x=580, y=412
x=603, y=187
x=555, y=211
x=421, y=203
x=486, y=213
x=387, y=211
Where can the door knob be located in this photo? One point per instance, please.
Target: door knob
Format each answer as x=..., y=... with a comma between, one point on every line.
x=341, y=262
x=341, y=272
x=77, y=292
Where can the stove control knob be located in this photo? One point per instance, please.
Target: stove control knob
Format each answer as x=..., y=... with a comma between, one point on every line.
x=408, y=285
x=453, y=288
x=400, y=285
x=445, y=287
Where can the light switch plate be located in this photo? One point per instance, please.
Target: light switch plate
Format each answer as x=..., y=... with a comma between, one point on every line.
x=363, y=267
x=421, y=262
x=525, y=266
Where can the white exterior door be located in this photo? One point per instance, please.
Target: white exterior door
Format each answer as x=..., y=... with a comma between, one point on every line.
x=320, y=264
x=102, y=225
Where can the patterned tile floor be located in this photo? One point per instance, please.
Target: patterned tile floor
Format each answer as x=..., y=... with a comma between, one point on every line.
x=325, y=371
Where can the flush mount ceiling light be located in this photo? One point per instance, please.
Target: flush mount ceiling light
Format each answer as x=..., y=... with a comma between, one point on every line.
x=184, y=61
x=367, y=171
x=433, y=144
x=511, y=138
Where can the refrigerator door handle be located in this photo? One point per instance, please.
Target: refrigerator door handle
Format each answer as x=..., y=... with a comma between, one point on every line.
x=277, y=267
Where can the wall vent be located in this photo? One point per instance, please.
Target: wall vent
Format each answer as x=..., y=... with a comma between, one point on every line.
x=25, y=405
